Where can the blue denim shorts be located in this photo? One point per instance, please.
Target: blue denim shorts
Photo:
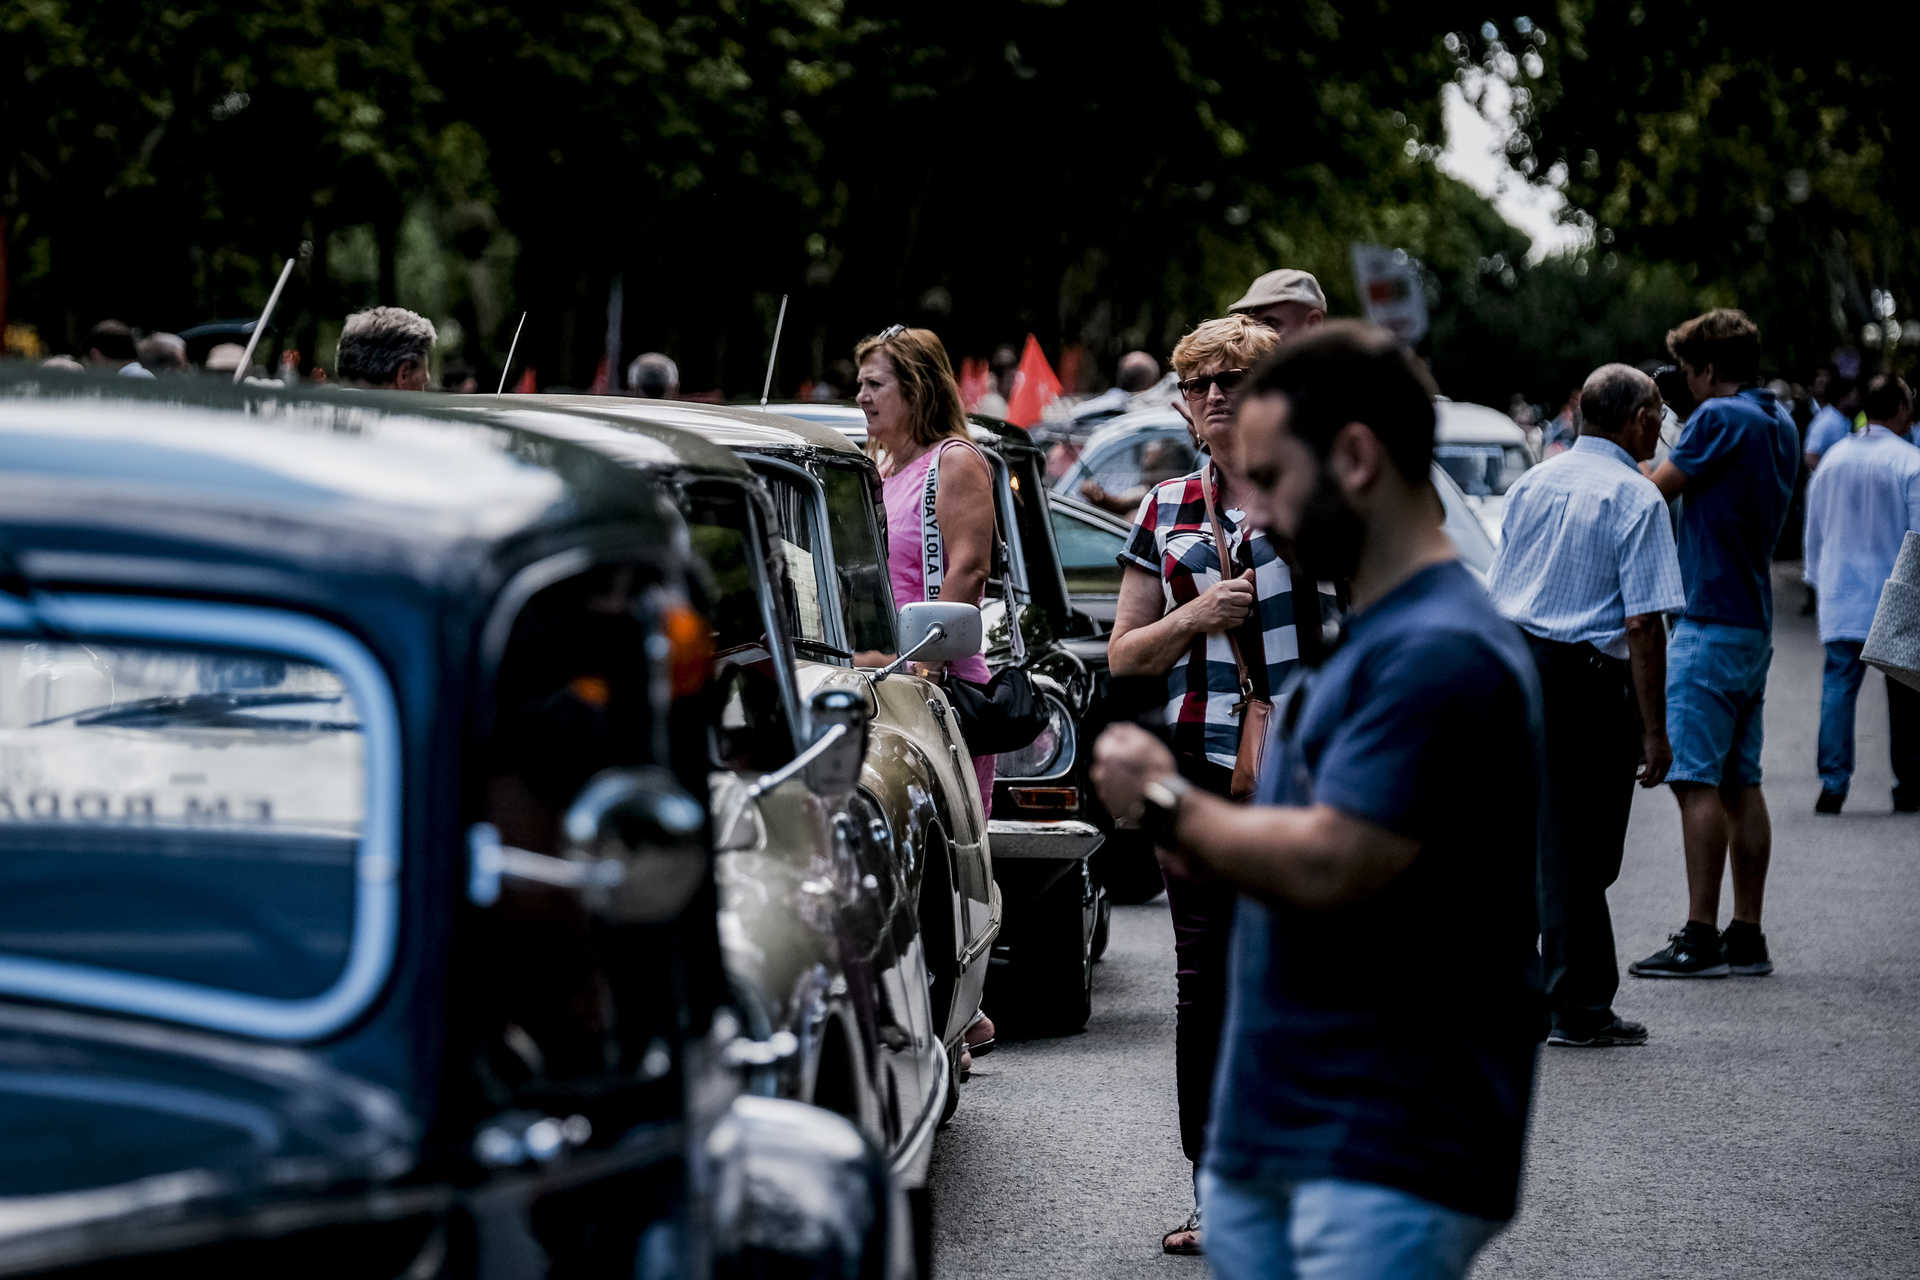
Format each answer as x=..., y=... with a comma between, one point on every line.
x=1716, y=691
x=1334, y=1229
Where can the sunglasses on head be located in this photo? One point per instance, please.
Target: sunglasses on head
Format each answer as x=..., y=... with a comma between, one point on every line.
x=1196, y=387
x=891, y=332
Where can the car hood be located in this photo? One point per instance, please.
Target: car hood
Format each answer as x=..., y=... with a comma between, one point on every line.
x=111, y=1123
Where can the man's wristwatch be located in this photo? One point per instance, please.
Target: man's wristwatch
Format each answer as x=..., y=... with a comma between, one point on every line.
x=1161, y=807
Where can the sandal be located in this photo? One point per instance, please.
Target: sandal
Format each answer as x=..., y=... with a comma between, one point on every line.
x=1190, y=1247
x=983, y=1045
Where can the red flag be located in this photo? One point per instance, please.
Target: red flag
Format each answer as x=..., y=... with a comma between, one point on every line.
x=1034, y=387
x=526, y=385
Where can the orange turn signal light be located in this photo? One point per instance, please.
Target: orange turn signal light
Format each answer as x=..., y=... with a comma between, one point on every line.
x=1045, y=797
x=689, y=650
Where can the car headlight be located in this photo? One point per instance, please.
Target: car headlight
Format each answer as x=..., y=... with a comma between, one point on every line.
x=1047, y=754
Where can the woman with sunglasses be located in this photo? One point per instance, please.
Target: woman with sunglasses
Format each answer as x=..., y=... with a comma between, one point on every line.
x=1178, y=618
x=915, y=421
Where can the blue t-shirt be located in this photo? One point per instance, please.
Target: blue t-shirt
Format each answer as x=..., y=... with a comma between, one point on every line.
x=1740, y=454
x=1828, y=428
x=1392, y=1040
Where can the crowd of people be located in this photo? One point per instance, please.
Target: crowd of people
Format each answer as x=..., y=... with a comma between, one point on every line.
x=1333, y=691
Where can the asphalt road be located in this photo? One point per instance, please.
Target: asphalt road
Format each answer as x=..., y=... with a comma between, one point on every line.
x=1771, y=1127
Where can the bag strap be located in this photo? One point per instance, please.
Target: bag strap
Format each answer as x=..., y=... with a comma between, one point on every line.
x=933, y=550
x=1227, y=571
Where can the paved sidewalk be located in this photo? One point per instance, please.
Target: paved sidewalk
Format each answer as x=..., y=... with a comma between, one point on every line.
x=1771, y=1126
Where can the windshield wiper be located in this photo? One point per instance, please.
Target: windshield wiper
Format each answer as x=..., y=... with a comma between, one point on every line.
x=212, y=708
x=821, y=648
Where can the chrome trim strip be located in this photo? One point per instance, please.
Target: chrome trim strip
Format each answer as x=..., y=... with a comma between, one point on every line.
x=913, y=1156
x=376, y=924
x=1067, y=838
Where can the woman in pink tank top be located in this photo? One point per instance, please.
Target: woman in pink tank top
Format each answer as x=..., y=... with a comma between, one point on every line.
x=912, y=404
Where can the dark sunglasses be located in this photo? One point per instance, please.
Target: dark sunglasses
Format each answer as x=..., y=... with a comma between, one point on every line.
x=1228, y=380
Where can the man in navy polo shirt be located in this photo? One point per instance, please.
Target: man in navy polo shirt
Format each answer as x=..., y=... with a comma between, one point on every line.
x=1361, y=1127
x=1734, y=470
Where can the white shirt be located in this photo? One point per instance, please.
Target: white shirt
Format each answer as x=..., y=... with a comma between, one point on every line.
x=1585, y=545
x=1860, y=504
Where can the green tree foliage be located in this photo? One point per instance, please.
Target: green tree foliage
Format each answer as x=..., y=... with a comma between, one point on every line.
x=1771, y=161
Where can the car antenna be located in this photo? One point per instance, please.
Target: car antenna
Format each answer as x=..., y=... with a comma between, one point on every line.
x=766, y=388
x=514, y=346
x=260, y=325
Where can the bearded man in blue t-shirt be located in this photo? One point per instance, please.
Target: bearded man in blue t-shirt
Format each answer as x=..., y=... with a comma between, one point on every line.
x=1359, y=1127
x=1733, y=470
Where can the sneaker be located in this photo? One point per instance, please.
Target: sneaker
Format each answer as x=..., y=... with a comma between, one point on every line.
x=1745, y=948
x=1830, y=802
x=1617, y=1032
x=1694, y=952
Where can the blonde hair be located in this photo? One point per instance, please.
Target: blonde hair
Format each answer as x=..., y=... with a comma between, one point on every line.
x=926, y=380
x=1231, y=342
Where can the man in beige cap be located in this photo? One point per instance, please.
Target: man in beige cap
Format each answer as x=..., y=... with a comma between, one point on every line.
x=1288, y=301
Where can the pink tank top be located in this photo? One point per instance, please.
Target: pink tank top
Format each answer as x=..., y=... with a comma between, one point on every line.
x=904, y=493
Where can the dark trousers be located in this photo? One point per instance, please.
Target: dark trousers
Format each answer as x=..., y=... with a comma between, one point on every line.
x=1592, y=754
x=1202, y=927
x=1903, y=712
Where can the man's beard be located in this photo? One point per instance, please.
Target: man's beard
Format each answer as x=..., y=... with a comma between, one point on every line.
x=1331, y=533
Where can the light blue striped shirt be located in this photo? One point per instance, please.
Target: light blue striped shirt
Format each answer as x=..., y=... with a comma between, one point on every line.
x=1860, y=504
x=1586, y=544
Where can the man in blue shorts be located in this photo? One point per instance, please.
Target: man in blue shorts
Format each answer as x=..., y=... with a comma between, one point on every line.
x=1383, y=1012
x=1734, y=467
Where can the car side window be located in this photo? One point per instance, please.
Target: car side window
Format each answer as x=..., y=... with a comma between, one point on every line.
x=860, y=558
x=1085, y=546
x=795, y=541
x=1144, y=462
x=751, y=728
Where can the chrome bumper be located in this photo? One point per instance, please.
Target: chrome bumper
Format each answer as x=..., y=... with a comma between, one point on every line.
x=1065, y=839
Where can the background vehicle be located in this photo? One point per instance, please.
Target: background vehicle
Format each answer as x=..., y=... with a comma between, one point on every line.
x=358, y=913
x=1483, y=451
x=1043, y=808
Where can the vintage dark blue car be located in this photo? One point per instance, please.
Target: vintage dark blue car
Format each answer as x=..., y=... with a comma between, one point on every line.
x=357, y=905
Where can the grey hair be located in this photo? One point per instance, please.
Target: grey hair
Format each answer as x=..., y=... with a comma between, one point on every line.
x=653, y=375
x=163, y=352
x=1612, y=394
x=374, y=344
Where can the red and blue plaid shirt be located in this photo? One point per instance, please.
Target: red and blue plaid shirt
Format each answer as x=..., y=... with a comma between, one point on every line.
x=1173, y=540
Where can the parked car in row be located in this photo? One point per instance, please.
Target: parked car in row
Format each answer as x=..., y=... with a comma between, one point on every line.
x=359, y=913
x=1043, y=825
x=857, y=918
x=1483, y=451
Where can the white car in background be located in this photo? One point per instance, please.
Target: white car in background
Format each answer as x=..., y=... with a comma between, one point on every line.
x=1483, y=451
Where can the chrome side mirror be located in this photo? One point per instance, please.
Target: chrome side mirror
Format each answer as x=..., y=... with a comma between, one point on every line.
x=936, y=631
x=836, y=770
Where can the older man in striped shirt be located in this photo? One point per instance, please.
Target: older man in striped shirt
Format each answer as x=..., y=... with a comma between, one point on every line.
x=1587, y=568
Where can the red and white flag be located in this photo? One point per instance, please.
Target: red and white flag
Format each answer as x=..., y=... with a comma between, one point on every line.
x=1034, y=387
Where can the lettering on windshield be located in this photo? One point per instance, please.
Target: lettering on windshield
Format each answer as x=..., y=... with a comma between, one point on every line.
x=46, y=804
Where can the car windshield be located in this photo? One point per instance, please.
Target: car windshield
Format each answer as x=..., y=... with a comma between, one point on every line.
x=860, y=558
x=182, y=813
x=1482, y=470
x=796, y=541
x=754, y=718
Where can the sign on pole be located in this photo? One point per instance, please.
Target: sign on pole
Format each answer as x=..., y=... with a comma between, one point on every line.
x=1390, y=292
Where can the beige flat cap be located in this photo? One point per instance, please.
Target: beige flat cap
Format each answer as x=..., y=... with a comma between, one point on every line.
x=1284, y=285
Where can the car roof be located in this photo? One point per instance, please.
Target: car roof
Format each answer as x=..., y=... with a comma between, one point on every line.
x=634, y=440
x=730, y=426
x=849, y=418
x=1464, y=422
x=330, y=477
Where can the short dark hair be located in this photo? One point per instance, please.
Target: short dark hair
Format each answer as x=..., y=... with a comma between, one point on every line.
x=1886, y=397
x=1723, y=338
x=113, y=340
x=1345, y=371
x=1612, y=394
x=375, y=343
x=1839, y=386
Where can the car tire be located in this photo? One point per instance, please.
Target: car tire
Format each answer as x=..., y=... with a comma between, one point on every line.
x=1053, y=966
x=1125, y=866
x=1102, y=923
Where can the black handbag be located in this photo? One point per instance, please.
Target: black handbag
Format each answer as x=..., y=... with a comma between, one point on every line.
x=1006, y=713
